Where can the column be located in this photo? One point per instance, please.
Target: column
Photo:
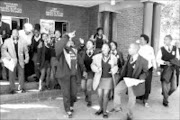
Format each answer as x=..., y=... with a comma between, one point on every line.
x=106, y=23
x=156, y=26
x=148, y=17
x=114, y=27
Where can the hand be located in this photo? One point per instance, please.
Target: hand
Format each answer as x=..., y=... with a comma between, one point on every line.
x=85, y=75
x=167, y=63
x=72, y=34
x=81, y=40
x=26, y=61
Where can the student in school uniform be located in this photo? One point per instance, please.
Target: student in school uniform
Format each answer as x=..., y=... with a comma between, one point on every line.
x=86, y=82
x=67, y=71
x=99, y=38
x=135, y=67
x=147, y=52
x=43, y=61
x=166, y=57
x=105, y=67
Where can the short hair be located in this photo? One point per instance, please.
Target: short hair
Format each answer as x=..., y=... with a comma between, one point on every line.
x=146, y=38
x=91, y=41
x=115, y=43
x=37, y=27
x=169, y=36
x=136, y=45
x=99, y=28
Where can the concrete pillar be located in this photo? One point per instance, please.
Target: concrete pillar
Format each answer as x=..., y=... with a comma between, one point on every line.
x=106, y=23
x=148, y=17
x=114, y=27
x=156, y=26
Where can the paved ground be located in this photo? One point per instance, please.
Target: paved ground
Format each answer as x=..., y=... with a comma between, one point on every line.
x=53, y=109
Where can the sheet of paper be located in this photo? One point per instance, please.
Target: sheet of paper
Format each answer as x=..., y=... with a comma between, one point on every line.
x=9, y=64
x=132, y=82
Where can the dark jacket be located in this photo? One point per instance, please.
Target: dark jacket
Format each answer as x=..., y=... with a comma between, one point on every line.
x=5, y=31
x=63, y=69
x=42, y=56
x=140, y=72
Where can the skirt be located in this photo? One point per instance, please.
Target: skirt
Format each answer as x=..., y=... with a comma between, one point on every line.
x=106, y=83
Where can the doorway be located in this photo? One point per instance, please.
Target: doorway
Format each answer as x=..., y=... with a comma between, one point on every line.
x=15, y=22
x=61, y=26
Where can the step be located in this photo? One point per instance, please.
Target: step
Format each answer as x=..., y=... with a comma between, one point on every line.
x=29, y=96
x=5, y=86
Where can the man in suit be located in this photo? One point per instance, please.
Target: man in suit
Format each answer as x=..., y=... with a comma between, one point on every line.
x=135, y=67
x=4, y=34
x=15, y=49
x=67, y=70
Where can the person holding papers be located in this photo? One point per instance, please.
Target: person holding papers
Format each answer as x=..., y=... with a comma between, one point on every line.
x=14, y=49
x=136, y=67
x=166, y=59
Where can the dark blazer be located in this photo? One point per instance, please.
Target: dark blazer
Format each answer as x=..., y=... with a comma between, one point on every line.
x=5, y=28
x=120, y=59
x=63, y=69
x=41, y=56
x=140, y=72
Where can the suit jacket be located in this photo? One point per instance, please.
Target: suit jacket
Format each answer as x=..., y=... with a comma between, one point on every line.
x=97, y=64
x=5, y=28
x=8, y=51
x=140, y=72
x=64, y=61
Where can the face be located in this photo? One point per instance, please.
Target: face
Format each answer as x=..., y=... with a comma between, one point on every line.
x=105, y=49
x=27, y=32
x=15, y=34
x=100, y=32
x=89, y=45
x=132, y=49
x=113, y=46
x=142, y=41
x=36, y=33
x=167, y=41
x=57, y=34
x=45, y=37
x=70, y=43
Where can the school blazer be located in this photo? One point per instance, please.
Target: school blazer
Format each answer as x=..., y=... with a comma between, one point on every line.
x=97, y=63
x=64, y=61
x=140, y=72
x=8, y=51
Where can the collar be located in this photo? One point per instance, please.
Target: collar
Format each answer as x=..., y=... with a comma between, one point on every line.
x=114, y=52
x=37, y=38
x=135, y=57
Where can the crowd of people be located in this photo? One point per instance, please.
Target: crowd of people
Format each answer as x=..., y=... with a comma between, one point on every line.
x=55, y=60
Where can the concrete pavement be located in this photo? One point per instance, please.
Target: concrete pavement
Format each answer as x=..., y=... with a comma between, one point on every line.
x=53, y=108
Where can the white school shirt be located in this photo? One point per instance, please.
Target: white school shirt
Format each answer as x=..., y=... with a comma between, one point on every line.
x=147, y=52
x=26, y=38
x=159, y=55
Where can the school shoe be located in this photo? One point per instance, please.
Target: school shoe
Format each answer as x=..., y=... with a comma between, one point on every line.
x=129, y=116
x=99, y=112
x=165, y=104
x=105, y=115
x=89, y=104
x=118, y=109
x=12, y=92
x=71, y=109
x=69, y=114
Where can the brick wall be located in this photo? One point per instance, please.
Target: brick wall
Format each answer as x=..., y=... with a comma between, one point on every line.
x=93, y=19
x=129, y=27
x=35, y=10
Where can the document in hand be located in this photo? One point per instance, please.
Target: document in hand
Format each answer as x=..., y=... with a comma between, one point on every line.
x=132, y=81
x=9, y=64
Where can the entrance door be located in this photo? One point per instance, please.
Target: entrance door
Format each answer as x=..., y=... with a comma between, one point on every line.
x=61, y=26
x=15, y=22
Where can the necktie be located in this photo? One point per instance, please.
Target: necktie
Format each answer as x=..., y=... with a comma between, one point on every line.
x=169, y=49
